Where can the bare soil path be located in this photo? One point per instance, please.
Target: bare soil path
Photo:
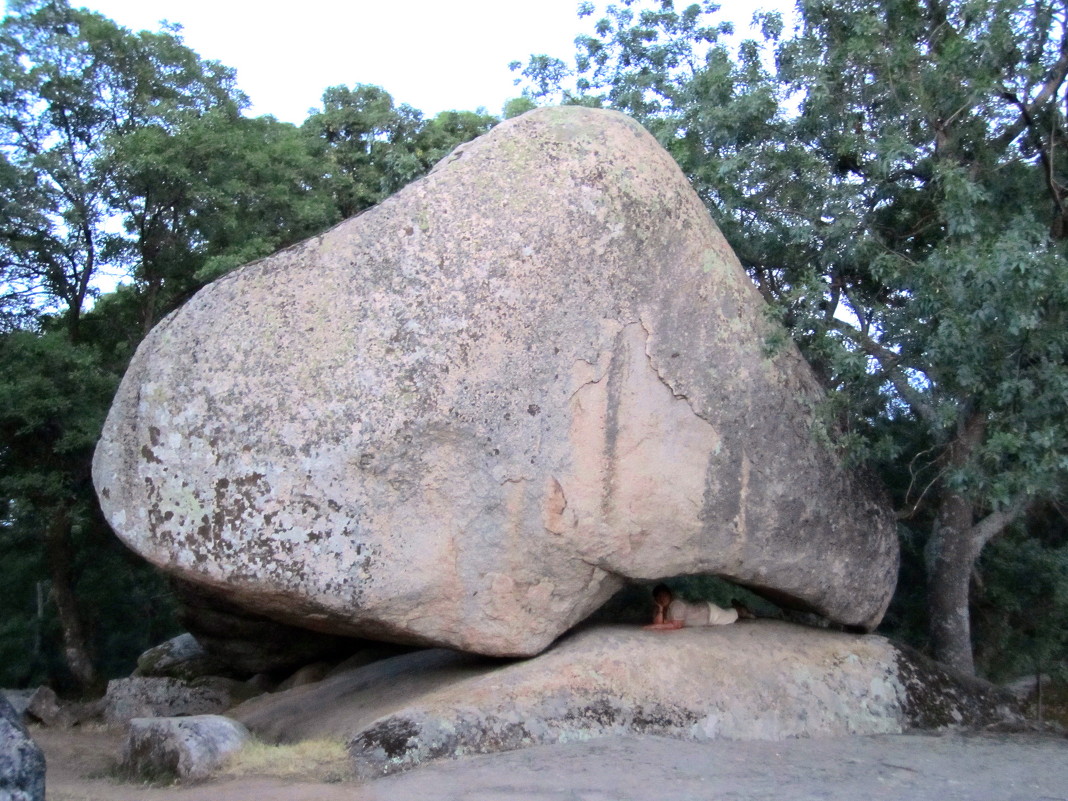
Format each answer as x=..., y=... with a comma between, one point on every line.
x=947, y=767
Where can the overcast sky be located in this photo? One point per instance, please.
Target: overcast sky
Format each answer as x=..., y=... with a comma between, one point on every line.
x=431, y=54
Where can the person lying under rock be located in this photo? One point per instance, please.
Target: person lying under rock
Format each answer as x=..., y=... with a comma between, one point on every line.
x=675, y=613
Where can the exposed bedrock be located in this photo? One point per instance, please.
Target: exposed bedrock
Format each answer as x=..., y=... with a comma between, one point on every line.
x=763, y=681
x=464, y=416
x=756, y=680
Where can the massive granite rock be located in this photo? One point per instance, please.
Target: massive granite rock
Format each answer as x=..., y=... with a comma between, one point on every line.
x=463, y=416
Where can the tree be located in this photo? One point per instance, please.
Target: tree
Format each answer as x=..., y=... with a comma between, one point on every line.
x=892, y=179
x=365, y=140
x=53, y=397
x=442, y=133
x=373, y=147
x=210, y=193
x=1022, y=603
x=24, y=244
x=929, y=112
x=71, y=83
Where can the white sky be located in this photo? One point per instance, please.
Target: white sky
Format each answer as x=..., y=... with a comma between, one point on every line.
x=431, y=54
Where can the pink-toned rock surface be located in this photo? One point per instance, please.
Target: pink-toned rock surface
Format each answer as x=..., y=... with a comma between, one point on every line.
x=463, y=417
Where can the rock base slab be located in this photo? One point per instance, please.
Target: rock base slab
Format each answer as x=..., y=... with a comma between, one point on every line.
x=751, y=681
x=764, y=681
x=755, y=680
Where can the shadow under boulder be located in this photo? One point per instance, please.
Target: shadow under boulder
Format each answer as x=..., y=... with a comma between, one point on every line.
x=241, y=643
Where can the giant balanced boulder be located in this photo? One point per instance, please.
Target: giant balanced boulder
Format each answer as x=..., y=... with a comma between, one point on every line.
x=464, y=417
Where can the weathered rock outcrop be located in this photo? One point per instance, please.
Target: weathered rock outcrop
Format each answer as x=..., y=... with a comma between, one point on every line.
x=762, y=680
x=22, y=765
x=187, y=748
x=461, y=417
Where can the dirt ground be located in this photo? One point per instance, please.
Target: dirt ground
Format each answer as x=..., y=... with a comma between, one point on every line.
x=946, y=767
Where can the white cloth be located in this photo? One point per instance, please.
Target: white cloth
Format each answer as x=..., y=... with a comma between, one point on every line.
x=704, y=613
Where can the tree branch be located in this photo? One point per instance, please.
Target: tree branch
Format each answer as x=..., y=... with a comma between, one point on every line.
x=1049, y=88
x=1044, y=156
x=891, y=364
x=996, y=522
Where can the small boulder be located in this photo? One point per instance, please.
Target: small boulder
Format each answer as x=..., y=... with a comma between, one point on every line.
x=186, y=748
x=19, y=699
x=143, y=696
x=45, y=706
x=181, y=657
x=86, y=711
x=22, y=765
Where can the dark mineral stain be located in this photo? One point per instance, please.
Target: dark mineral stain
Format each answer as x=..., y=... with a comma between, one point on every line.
x=395, y=737
x=600, y=711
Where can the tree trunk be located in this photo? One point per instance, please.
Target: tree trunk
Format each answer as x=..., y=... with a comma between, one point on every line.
x=950, y=556
x=60, y=554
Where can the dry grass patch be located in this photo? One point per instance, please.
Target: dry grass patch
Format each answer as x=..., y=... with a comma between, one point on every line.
x=311, y=760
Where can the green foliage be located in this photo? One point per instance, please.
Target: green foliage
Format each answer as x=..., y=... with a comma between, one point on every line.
x=1021, y=608
x=72, y=83
x=373, y=147
x=53, y=397
x=365, y=141
x=517, y=106
x=440, y=135
x=210, y=193
x=696, y=589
